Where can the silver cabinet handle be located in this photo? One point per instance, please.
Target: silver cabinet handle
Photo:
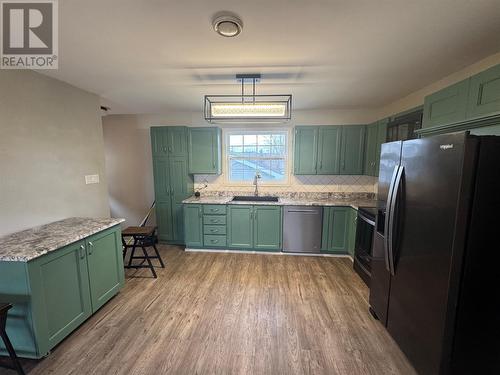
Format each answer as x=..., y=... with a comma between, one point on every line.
x=214, y=241
x=215, y=210
x=214, y=230
x=91, y=247
x=82, y=252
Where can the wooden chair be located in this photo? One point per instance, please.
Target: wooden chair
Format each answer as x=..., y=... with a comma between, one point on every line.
x=16, y=365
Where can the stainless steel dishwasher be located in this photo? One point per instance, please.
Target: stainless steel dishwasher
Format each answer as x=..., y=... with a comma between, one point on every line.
x=302, y=227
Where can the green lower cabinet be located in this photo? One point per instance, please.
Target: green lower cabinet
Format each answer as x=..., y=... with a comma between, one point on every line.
x=55, y=293
x=106, y=275
x=193, y=225
x=338, y=230
x=240, y=227
x=164, y=220
x=254, y=227
x=267, y=230
x=352, y=226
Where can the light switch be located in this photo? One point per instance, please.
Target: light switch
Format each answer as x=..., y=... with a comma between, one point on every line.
x=92, y=179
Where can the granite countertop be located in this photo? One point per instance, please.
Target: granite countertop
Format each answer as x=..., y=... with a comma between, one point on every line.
x=350, y=202
x=32, y=243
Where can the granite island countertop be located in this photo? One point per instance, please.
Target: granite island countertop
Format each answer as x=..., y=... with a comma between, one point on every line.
x=32, y=243
x=348, y=202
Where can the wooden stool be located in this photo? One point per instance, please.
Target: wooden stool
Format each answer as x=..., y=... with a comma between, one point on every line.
x=143, y=237
x=16, y=365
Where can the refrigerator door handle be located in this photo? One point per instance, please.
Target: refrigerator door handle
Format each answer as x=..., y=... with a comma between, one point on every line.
x=390, y=230
x=388, y=219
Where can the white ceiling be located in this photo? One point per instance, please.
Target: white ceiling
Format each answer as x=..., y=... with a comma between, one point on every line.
x=152, y=56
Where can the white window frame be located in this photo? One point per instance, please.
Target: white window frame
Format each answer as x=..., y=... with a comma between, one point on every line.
x=240, y=131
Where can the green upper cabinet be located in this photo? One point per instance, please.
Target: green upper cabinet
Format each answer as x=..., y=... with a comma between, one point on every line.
x=336, y=225
x=169, y=140
x=328, y=150
x=177, y=144
x=371, y=149
x=381, y=139
x=484, y=93
x=306, y=149
x=352, y=149
x=240, y=226
x=446, y=106
x=193, y=225
x=159, y=141
x=267, y=228
x=204, y=148
x=105, y=263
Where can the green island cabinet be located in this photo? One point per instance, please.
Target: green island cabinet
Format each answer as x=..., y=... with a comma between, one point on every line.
x=204, y=150
x=464, y=105
x=329, y=150
x=56, y=292
x=376, y=134
x=339, y=230
x=172, y=181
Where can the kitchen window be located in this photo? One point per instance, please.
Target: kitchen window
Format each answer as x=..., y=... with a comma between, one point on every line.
x=264, y=152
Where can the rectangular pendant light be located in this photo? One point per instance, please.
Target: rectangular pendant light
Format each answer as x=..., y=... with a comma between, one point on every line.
x=247, y=108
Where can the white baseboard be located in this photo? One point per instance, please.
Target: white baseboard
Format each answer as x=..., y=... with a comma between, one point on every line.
x=268, y=253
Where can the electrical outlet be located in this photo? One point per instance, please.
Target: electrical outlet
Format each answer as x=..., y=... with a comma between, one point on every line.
x=92, y=179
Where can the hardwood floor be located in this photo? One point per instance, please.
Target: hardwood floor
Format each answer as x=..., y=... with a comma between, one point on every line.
x=210, y=313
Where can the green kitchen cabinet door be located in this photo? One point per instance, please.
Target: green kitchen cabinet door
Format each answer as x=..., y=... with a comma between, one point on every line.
x=305, y=150
x=240, y=226
x=381, y=139
x=105, y=263
x=484, y=93
x=328, y=150
x=335, y=237
x=204, y=147
x=193, y=225
x=267, y=228
x=446, y=106
x=352, y=227
x=164, y=220
x=352, y=150
x=60, y=294
x=371, y=149
x=159, y=140
x=161, y=178
x=177, y=144
x=180, y=188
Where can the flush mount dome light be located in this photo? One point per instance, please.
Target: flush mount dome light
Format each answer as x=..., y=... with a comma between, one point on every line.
x=227, y=25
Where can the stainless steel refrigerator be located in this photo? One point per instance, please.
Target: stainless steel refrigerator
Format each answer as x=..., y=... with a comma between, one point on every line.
x=435, y=266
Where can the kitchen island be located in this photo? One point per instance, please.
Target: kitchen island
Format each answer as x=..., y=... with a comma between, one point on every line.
x=57, y=275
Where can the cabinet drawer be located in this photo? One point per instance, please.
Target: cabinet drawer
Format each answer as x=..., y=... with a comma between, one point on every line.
x=214, y=229
x=214, y=220
x=214, y=209
x=211, y=240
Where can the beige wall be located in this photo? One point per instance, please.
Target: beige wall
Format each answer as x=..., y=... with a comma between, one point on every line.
x=417, y=98
x=51, y=137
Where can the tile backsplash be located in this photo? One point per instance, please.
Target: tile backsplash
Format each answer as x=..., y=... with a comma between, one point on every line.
x=298, y=184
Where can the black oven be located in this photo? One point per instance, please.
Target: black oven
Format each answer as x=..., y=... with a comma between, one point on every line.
x=364, y=242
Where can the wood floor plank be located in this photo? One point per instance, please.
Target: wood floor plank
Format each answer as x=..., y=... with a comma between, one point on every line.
x=218, y=313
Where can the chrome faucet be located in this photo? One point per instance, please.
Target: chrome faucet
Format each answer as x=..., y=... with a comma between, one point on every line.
x=256, y=183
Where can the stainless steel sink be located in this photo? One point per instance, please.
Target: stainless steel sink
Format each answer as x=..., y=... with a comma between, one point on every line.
x=253, y=198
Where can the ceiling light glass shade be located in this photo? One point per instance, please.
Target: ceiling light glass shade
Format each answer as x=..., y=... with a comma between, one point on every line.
x=247, y=108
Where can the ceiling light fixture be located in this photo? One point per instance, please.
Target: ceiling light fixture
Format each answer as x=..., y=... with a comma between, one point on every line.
x=227, y=25
x=248, y=108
